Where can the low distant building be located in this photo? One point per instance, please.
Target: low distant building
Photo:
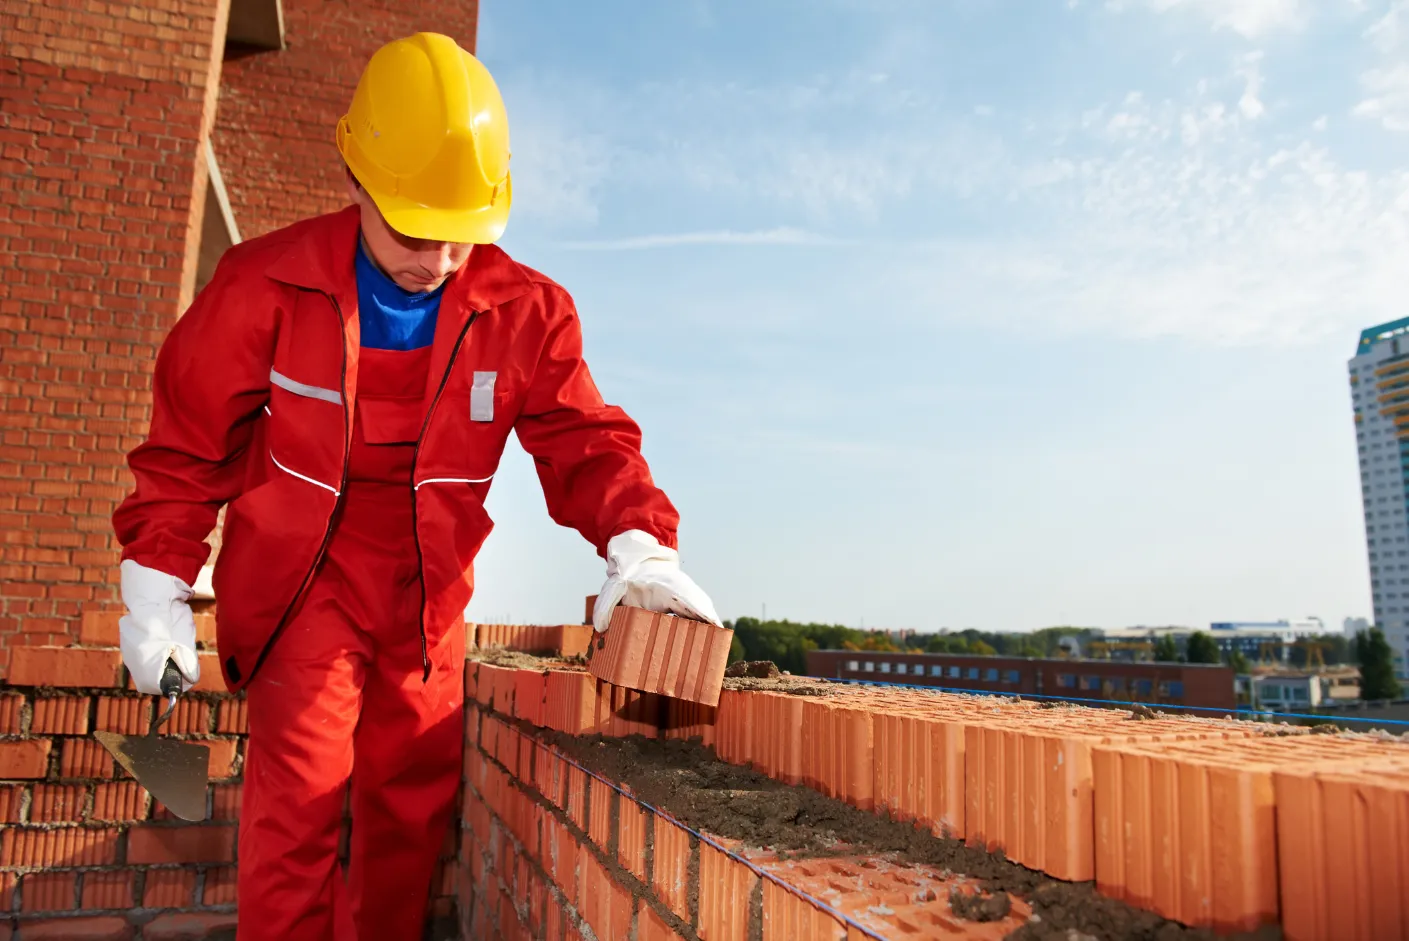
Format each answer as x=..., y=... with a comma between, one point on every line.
x=1293, y=691
x=1183, y=684
x=1256, y=640
x=1354, y=626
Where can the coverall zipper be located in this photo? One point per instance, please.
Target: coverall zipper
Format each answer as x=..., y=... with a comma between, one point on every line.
x=415, y=517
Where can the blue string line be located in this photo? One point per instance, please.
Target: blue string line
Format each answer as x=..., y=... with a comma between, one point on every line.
x=1108, y=702
x=817, y=903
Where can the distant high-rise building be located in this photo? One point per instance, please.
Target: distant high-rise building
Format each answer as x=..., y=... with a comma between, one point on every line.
x=1379, y=389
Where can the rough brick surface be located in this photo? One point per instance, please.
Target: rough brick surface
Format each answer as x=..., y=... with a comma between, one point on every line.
x=662, y=654
x=101, y=190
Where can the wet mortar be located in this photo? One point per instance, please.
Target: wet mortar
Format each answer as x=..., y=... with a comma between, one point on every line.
x=688, y=781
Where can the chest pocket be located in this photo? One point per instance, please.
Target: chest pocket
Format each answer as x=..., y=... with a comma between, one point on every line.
x=482, y=396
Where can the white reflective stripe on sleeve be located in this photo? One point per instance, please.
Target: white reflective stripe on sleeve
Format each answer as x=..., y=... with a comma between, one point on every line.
x=301, y=388
x=455, y=480
x=294, y=473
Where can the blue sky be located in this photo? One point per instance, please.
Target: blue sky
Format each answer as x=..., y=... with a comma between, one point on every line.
x=993, y=313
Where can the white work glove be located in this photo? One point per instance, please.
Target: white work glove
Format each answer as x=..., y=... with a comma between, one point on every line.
x=644, y=574
x=158, y=625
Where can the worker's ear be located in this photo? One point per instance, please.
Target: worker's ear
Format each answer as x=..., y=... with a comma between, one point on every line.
x=354, y=189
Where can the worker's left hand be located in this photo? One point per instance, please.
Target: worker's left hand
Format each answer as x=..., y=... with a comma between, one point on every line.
x=644, y=574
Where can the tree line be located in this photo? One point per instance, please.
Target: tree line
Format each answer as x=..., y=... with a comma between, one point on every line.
x=786, y=643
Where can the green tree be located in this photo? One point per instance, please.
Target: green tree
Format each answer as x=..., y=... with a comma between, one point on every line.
x=1377, y=679
x=1202, y=648
x=981, y=648
x=1166, y=649
x=1239, y=663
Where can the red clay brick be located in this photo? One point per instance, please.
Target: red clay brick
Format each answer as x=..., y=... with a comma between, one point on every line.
x=663, y=654
x=108, y=890
x=64, y=666
x=226, y=801
x=11, y=798
x=180, y=844
x=606, y=905
x=725, y=887
x=1355, y=826
x=570, y=702
x=120, y=801
x=191, y=717
x=169, y=888
x=11, y=704
x=631, y=838
x=670, y=873
x=57, y=803
x=23, y=848
x=220, y=887
x=127, y=715
x=232, y=718
x=651, y=927
x=100, y=629
x=27, y=759
x=48, y=892
x=85, y=758
x=528, y=696
x=222, y=757
x=785, y=915
x=60, y=715
x=212, y=680
x=186, y=927
x=599, y=824
x=105, y=928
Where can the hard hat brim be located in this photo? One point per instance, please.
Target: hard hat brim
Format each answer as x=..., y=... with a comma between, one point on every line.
x=413, y=220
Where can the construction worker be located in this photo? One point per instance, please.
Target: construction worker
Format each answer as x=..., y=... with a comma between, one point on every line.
x=344, y=387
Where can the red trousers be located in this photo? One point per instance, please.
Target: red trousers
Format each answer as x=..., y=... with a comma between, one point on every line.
x=340, y=708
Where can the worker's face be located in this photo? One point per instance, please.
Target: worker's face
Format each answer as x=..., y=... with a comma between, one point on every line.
x=415, y=265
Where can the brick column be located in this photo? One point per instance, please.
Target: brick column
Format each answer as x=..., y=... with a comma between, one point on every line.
x=102, y=185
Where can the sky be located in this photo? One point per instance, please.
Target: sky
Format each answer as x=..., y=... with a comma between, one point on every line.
x=966, y=313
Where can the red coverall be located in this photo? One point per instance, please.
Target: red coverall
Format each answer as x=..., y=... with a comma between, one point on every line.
x=355, y=482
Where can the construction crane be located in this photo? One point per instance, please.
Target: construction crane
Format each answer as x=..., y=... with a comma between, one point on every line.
x=1270, y=652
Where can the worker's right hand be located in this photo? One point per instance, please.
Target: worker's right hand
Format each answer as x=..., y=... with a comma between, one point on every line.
x=158, y=626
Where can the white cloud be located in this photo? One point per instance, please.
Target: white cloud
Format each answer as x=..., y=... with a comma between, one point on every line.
x=1386, y=86
x=1252, y=19
x=778, y=236
x=1386, y=97
x=1390, y=31
x=1195, y=216
x=1250, y=104
x=1220, y=242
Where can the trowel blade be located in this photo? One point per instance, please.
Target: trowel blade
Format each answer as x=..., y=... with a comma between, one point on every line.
x=175, y=773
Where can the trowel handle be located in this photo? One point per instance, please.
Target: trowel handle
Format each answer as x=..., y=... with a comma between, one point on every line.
x=171, y=680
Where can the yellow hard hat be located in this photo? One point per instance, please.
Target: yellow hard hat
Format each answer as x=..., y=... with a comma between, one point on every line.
x=427, y=137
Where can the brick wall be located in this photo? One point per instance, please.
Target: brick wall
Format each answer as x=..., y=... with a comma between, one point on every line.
x=1217, y=823
x=1211, y=822
x=83, y=848
x=274, y=131
x=101, y=197
x=105, y=109
x=551, y=850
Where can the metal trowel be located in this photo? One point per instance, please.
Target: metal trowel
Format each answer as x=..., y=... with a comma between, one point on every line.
x=175, y=773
